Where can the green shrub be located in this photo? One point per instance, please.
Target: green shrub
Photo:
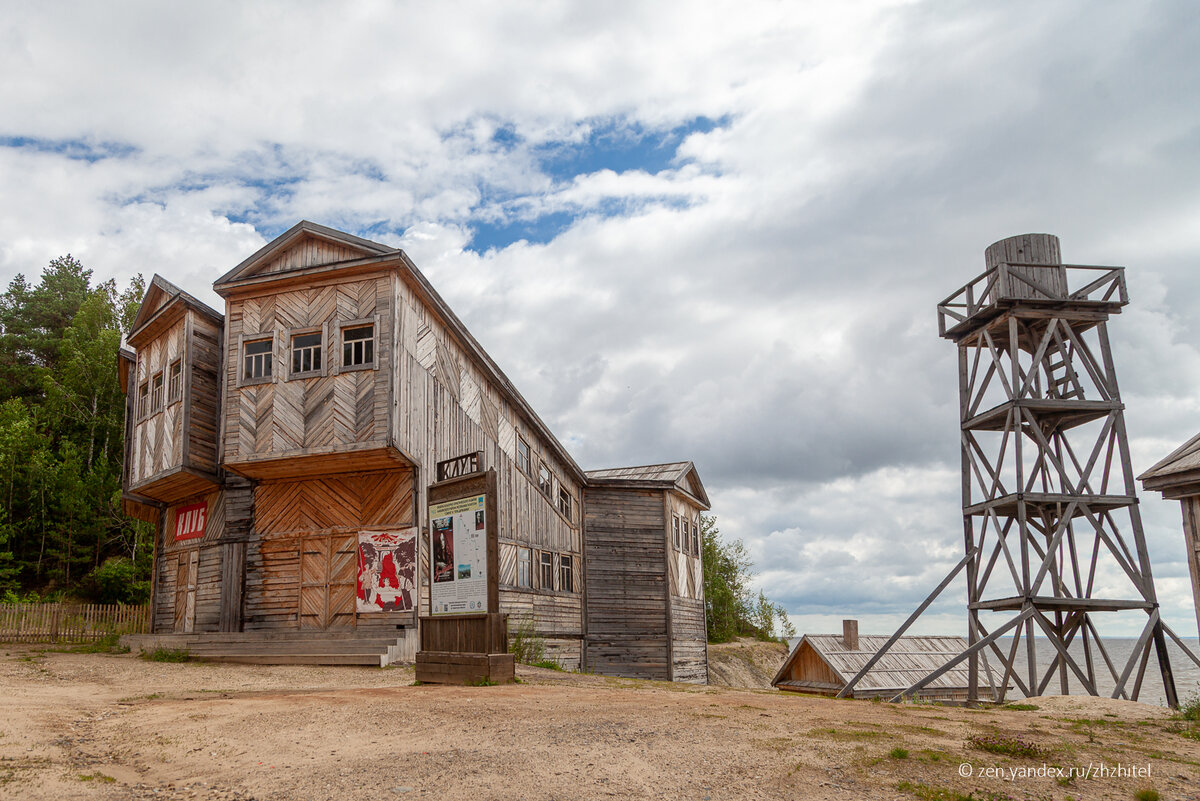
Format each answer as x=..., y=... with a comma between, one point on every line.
x=524, y=643
x=115, y=582
x=898, y=753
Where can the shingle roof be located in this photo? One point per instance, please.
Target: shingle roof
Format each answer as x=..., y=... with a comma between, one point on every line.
x=907, y=662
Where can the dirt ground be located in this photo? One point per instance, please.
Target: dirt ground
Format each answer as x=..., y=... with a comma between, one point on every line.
x=117, y=727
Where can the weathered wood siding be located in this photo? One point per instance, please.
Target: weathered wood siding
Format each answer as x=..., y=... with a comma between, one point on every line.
x=169, y=446
x=301, y=558
x=689, y=635
x=808, y=666
x=325, y=413
x=445, y=406
x=626, y=567
x=195, y=603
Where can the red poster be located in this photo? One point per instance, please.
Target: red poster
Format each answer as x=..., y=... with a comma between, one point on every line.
x=387, y=570
x=190, y=521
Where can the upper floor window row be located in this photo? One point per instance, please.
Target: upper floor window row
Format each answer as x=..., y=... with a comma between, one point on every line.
x=306, y=355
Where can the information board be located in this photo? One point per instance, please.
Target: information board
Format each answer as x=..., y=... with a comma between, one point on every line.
x=458, y=581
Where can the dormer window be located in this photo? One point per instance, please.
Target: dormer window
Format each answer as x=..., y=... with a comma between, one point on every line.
x=256, y=359
x=358, y=346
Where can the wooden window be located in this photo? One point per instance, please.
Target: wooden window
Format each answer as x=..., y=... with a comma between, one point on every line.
x=697, y=541
x=547, y=572
x=524, y=457
x=307, y=350
x=544, y=479
x=175, y=382
x=358, y=346
x=687, y=536
x=256, y=360
x=143, y=408
x=156, y=392
x=564, y=502
x=675, y=531
x=566, y=579
x=524, y=567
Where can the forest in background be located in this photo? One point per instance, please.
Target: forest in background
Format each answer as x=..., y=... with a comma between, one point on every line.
x=63, y=535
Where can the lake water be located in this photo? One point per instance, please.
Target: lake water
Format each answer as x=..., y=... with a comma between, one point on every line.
x=1187, y=673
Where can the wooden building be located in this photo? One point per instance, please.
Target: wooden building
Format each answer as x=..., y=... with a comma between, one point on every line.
x=822, y=664
x=285, y=448
x=1177, y=477
x=645, y=609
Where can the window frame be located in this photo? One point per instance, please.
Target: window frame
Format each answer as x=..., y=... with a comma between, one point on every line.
x=158, y=391
x=545, y=486
x=566, y=577
x=675, y=528
x=143, y=400
x=175, y=382
x=342, y=325
x=291, y=334
x=564, y=502
x=696, y=544
x=528, y=452
x=525, y=560
x=546, y=563
x=247, y=339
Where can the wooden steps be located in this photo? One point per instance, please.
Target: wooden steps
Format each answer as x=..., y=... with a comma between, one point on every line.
x=278, y=647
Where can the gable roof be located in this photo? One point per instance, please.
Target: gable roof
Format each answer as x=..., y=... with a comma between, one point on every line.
x=161, y=294
x=251, y=266
x=681, y=476
x=1176, y=471
x=907, y=662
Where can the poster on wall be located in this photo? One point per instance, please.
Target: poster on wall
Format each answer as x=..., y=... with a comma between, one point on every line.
x=458, y=567
x=387, y=571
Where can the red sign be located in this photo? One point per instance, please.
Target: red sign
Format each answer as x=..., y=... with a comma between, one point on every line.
x=190, y=520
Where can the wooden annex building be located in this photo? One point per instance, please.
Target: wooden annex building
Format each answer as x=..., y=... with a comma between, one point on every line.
x=285, y=448
x=823, y=664
x=1177, y=477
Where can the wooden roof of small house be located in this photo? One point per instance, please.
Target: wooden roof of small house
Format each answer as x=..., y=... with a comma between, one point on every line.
x=160, y=306
x=907, y=662
x=308, y=251
x=1178, y=474
x=680, y=476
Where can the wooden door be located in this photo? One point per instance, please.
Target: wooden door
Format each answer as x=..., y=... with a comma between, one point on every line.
x=185, y=591
x=328, y=577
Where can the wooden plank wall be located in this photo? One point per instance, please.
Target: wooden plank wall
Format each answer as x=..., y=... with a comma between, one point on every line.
x=201, y=393
x=289, y=417
x=207, y=591
x=444, y=407
x=625, y=562
x=689, y=635
x=299, y=544
x=157, y=440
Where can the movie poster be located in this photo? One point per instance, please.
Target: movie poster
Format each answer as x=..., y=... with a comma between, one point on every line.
x=387, y=571
x=458, y=545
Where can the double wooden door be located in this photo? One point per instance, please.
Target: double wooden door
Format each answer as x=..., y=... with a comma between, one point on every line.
x=186, y=570
x=328, y=581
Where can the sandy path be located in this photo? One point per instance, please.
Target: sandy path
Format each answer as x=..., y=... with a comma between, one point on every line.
x=93, y=726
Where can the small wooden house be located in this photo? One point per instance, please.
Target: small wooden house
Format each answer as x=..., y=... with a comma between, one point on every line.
x=285, y=450
x=1177, y=477
x=645, y=609
x=822, y=664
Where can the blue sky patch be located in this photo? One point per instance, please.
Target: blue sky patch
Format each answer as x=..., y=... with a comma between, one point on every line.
x=502, y=233
x=78, y=149
x=619, y=146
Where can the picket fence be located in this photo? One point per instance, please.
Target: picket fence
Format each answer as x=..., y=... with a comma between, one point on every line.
x=68, y=623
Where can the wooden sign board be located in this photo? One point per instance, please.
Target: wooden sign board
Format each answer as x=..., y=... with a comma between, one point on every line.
x=460, y=466
x=464, y=554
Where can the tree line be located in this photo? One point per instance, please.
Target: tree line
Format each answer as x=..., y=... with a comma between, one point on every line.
x=62, y=532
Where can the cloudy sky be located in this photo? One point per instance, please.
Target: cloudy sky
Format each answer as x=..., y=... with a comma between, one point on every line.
x=709, y=231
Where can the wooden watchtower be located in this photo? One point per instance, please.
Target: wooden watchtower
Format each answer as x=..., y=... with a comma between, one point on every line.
x=1049, y=503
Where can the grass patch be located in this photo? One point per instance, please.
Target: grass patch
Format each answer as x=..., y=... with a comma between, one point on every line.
x=1009, y=746
x=166, y=655
x=898, y=753
x=482, y=681
x=1021, y=707
x=845, y=734
x=548, y=664
x=96, y=777
x=525, y=645
x=1147, y=794
x=108, y=644
x=928, y=793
